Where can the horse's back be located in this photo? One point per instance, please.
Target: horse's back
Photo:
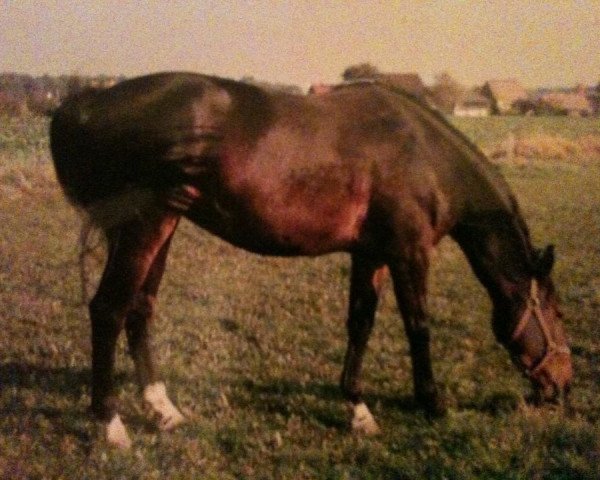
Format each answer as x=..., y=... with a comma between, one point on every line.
x=277, y=172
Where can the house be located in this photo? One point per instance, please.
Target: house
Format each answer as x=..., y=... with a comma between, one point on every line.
x=102, y=82
x=573, y=104
x=473, y=104
x=320, y=88
x=594, y=99
x=507, y=96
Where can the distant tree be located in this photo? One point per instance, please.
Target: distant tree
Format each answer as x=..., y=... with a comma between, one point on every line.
x=249, y=79
x=16, y=82
x=360, y=71
x=446, y=92
x=23, y=94
x=43, y=95
x=13, y=93
x=75, y=84
x=12, y=103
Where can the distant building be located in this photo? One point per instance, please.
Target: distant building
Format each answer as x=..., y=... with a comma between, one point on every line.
x=574, y=104
x=507, y=96
x=594, y=98
x=102, y=82
x=320, y=88
x=473, y=104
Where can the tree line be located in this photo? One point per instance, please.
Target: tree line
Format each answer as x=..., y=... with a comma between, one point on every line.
x=22, y=94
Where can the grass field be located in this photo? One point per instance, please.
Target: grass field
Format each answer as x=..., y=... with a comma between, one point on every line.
x=252, y=348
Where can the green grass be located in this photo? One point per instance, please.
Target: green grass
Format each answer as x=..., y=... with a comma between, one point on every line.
x=23, y=140
x=252, y=348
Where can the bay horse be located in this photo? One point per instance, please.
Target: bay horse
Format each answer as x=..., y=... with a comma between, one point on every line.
x=364, y=169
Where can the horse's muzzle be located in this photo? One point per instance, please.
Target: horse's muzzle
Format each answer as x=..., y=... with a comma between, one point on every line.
x=552, y=394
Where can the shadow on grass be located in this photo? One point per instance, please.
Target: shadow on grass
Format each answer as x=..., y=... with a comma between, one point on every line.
x=321, y=401
x=494, y=403
x=29, y=395
x=592, y=359
x=285, y=397
x=65, y=380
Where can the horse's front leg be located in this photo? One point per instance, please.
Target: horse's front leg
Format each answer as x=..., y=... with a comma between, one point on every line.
x=133, y=249
x=365, y=285
x=409, y=273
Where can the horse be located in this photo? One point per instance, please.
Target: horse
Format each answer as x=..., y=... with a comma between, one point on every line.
x=365, y=169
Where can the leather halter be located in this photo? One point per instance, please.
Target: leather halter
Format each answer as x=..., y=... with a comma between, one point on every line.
x=534, y=311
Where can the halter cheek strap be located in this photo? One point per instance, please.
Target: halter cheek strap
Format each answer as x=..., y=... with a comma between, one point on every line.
x=534, y=311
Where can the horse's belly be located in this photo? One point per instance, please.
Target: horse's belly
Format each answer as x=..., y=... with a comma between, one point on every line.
x=308, y=228
x=315, y=229
x=316, y=216
x=287, y=205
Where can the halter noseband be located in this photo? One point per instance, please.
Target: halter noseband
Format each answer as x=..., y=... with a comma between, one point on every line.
x=534, y=310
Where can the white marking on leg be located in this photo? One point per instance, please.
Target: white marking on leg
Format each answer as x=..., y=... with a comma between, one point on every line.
x=116, y=433
x=156, y=396
x=362, y=420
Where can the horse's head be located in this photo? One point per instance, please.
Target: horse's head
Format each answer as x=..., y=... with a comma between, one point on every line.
x=538, y=344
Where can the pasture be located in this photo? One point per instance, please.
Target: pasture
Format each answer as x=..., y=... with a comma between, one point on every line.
x=251, y=347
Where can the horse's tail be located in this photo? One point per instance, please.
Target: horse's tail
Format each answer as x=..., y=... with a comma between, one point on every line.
x=94, y=177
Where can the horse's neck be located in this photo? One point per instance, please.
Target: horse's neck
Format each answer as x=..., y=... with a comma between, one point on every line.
x=498, y=248
x=489, y=229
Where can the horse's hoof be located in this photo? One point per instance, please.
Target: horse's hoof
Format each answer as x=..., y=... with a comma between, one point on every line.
x=161, y=406
x=438, y=410
x=174, y=419
x=434, y=405
x=363, y=422
x=116, y=433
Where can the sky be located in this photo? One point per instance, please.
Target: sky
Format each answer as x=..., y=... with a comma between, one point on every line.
x=541, y=43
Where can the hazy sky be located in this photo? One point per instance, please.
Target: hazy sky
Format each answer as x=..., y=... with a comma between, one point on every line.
x=543, y=43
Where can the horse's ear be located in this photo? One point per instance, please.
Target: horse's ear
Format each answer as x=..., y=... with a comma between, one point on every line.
x=544, y=261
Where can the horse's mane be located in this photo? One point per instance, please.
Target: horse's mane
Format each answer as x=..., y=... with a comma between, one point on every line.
x=466, y=145
x=420, y=103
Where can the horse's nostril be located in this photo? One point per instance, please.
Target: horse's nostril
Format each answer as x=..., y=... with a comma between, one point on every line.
x=563, y=394
x=557, y=394
x=545, y=393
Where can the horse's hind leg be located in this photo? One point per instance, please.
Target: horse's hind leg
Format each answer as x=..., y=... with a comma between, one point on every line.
x=365, y=286
x=138, y=337
x=133, y=248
